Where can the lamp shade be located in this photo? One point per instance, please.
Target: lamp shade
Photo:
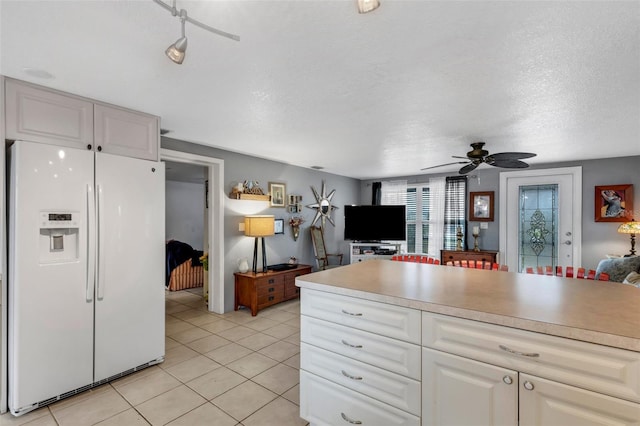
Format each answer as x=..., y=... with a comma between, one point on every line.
x=632, y=227
x=259, y=225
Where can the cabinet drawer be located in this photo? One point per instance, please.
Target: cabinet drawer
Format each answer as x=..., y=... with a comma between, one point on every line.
x=267, y=289
x=325, y=403
x=380, y=318
x=290, y=289
x=390, y=354
x=268, y=281
x=270, y=298
x=398, y=391
x=599, y=368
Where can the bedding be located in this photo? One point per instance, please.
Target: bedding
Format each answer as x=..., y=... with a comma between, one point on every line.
x=183, y=267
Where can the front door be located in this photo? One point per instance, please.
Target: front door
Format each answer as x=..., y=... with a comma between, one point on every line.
x=540, y=218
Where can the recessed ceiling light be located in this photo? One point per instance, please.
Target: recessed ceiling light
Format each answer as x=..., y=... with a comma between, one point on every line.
x=317, y=167
x=36, y=72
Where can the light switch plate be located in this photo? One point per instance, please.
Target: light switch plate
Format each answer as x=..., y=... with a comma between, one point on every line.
x=484, y=225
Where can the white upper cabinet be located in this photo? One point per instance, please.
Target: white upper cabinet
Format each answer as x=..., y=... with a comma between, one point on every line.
x=39, y=114
x=122, y=132
x=46, y=116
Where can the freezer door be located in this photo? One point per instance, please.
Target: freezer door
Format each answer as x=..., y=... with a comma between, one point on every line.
x=129, y=312
x=50, y=298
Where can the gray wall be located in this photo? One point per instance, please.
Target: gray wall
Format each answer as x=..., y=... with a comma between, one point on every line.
x=598, y=238
x=184, y=213
x=298, y=181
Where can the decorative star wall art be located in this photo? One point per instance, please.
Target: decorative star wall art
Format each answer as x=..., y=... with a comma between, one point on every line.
x=322, y=205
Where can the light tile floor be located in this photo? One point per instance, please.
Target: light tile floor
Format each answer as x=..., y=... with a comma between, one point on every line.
x=219, y=370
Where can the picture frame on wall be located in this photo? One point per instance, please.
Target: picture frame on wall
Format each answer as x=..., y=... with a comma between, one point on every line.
x=481, y=207
x=278, y=194
x=613, y=203
x=278, y=226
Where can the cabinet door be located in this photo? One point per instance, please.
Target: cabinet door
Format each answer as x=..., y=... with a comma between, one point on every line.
x=128, y=133
x=543, y=402
x=458, y=391
x=38, y=115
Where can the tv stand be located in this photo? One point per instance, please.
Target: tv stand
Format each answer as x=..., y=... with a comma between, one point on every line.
x=362, y=251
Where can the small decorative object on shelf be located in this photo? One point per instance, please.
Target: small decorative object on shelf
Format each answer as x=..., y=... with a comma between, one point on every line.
x=459, y=239
x=476, y=234
x=248, y=190
x=295, y=223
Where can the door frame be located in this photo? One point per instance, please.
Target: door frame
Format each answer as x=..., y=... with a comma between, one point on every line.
x=215, y=174
x=576, y=175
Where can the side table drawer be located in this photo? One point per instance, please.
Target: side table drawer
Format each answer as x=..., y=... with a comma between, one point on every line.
x=394, y=389
x=269, y=289
x=326, y=403
x=602, y=369
x=389, y=354
x=381, y=318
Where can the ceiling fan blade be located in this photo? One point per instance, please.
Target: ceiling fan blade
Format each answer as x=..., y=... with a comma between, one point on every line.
x=446, y=164
x=509, y=164
x=458, y=156
x=469, y=167
x=512, y=155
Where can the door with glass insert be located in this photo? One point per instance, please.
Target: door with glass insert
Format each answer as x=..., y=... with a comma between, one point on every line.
x=540, y=217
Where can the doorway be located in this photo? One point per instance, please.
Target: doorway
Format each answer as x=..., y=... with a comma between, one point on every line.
x=213, y=223
x=541, y=218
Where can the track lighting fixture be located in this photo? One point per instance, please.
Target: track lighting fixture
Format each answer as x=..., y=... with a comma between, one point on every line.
x=177, y=50
x=365, y=6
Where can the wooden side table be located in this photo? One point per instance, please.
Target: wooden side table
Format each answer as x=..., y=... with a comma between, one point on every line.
x=257, y=291
x=453, y=255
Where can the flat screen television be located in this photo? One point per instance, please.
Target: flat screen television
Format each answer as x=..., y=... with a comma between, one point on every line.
x=375, y=223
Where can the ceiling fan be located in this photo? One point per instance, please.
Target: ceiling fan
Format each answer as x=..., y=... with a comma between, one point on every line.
x=477, y=156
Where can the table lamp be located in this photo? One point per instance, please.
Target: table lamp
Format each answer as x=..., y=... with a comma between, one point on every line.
x=632, y=228
x=259, y=226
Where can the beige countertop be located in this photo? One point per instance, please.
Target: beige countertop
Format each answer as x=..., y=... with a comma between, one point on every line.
x=593, y=311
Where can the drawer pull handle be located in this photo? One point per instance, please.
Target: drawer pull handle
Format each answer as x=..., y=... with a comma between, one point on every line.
x=350, y=313
x=511, y=351
x=348, y=420
x=272, y=280
x=344, y=342
x=271, y=298
x=271, y=289
x=345, y=374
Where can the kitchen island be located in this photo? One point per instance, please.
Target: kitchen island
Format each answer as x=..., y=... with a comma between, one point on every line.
x=406, y=343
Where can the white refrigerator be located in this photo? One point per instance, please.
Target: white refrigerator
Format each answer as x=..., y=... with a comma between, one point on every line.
x=86, y=270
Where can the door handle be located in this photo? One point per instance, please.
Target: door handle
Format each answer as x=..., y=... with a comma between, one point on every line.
x=91, y=260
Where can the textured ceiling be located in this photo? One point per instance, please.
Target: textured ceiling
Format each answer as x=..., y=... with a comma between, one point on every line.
x=377, y=95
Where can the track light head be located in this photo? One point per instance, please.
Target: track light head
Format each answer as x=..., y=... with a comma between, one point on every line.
x=177, y=50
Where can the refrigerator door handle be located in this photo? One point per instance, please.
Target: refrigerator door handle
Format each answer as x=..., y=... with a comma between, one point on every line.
x=91, y=260
x=100, y=245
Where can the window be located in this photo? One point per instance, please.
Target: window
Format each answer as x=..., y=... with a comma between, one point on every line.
x=418, y=219
x=455, y=196
x=435, y=210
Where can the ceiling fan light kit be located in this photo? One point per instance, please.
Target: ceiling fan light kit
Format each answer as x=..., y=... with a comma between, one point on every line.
x=176, y=52
x=478, y=155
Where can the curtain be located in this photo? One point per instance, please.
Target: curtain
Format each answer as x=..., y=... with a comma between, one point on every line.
x=436, y=215
x=393, y=193
x=376, y=193
x=455, y=210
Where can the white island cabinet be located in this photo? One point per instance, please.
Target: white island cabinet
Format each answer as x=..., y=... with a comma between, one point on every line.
x=359, y=361
x=496, y=348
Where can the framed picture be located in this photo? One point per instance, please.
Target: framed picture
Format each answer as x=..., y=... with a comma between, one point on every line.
x=614, y=203
x=481, y=206
x=278, y=194
x=278, y=226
